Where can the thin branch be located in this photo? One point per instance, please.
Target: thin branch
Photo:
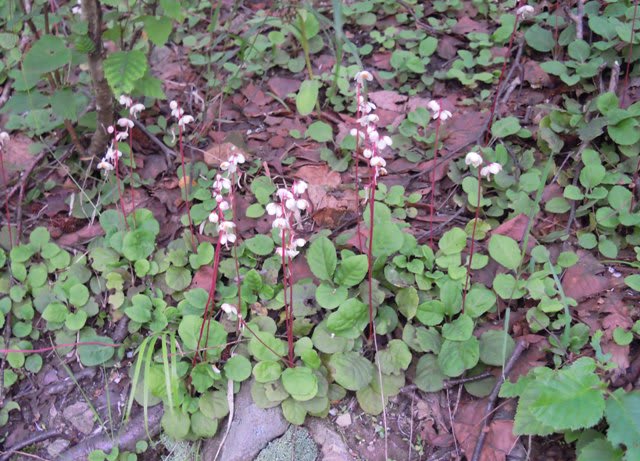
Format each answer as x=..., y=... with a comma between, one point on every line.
x=36, y=438
x=577, y=19
x=517, y=352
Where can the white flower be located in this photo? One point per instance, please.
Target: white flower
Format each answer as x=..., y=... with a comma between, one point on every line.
x=105, y=165
x=302, y=204
x=525, y=11
x=215, y=369
x=125, y=123
x=377, y=161
x=185, y=120
x=434, y=107
x=384, y=142
x=283, y=194
x=299, y=242
x=4, y=138
x=121, y=135
x=274, y=209
x=290, y=204
x=110, y=129
x=213, y=217
x=227, y=238
x=136, y=109
x=224, y=166
x=492, y=168
x=125, y=100
x=111, y=154
x=362, y=76
x=474, y=159
x=227, y=226
x=224, y=205
x=77, y=9
x=299, y=187
x=176, y=111
x=367, y=107
x=173, y=105
x=356, y=133
x=229, y=309
x=367, y=153
x=370, y=119
x=280, y=223
x=221, y=183
x=374, y=136
x=237, y=158
x=288, y=252
x=445, y=114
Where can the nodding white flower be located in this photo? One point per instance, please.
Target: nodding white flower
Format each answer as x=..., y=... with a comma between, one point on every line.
x=284, y=194
x=369, y=119
x=121, y=135
x=110, y=129
x=176, y=111
x=125, y=100
x=367, y=153
x=229, y=309
x=227, y=226
x=185, y=120
x=302, y=204
x=105, y=165
x=433, y=106
x=384, y=142
x=222, y=183
x=136, y=109
x=224, y=166
x=377, y=161
x=274, y=209
x=125, y=123
x=219, y=198
x=474, y=159
x=291, y=204
x=112, y=153
x=215, y=369
x=227, y=238
x=288, y=252
x=224, y=205
x=362, y=76
x=367, y=107
x=173, y=105
x=356, y=133
x=299, y=242
x=78, y=8
x=382, y=171
x=525, y=11
x=492, y=168
x=445, y=114
x=299, y=187
x=4, y=138
x=213, y=217
x=237, y=158
x=280, y=223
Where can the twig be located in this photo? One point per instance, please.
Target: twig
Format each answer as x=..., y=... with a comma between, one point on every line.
x=167, y=152
x=37, y=437
x=578, y=18
x=517, y=352
x=92, y=11
x=231, y=405
x=615, y=76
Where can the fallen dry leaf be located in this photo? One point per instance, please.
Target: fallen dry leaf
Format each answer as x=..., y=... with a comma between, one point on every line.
x=582, y=280
x=219, y=153
x=17, y=157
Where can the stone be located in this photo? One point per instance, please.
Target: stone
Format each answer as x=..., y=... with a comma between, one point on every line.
x=332, y=446
x=296, y=444
x=80, y=416
x=57, y=446
x=251, y=430
x=344, y=420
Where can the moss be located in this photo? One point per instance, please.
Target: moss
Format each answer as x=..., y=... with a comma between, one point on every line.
x=296, y=438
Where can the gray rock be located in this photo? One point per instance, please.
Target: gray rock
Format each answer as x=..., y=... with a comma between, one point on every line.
x=57, y=446
x=80, y=416
x=251, y=430
x=296, y=444
x=332, y=445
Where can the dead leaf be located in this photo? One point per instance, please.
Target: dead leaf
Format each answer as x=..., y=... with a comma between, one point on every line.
x=83, y=235
x=16, y=155
x=582, y=280
x=388, y=100
x=282, y=87
x=219, y=153
x=514, y=228
x=466, y=25
x=535, y=76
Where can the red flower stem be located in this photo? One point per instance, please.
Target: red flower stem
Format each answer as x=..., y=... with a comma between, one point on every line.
x=626, y=74
x=290, y=331
x=133, y=200
x=232, y=198
x=6, y=202
x=372, y=194
x=115, y=166
x=187, y=185
x=473, y=241
x=433, y=180
x=358, y=115
x=210, y=300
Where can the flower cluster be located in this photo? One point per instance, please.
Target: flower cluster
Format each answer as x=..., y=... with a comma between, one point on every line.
x=474, y=159
x=287, y=211
x=525, y=11
x=109, y=161
x=368, y=130
x=438, y=113
x=4, y=139
x=177, y=112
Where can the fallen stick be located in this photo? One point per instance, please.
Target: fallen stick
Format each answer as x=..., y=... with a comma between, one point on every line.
x=517, y=352
x=126, y=439
x=35, y=438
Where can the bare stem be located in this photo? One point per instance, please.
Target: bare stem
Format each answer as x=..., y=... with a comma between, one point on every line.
x=433, y=181
x=186, y=180
x=6, y=203
x=473, y=241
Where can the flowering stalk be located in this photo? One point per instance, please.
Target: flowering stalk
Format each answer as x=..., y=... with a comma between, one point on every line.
x=474, y=159
x=127, y=124
x=4, y=139
x=363, y=107
x=183, y=120
x=439, y=115
x=226, y=235
x=287, y=212
x=110, y=163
